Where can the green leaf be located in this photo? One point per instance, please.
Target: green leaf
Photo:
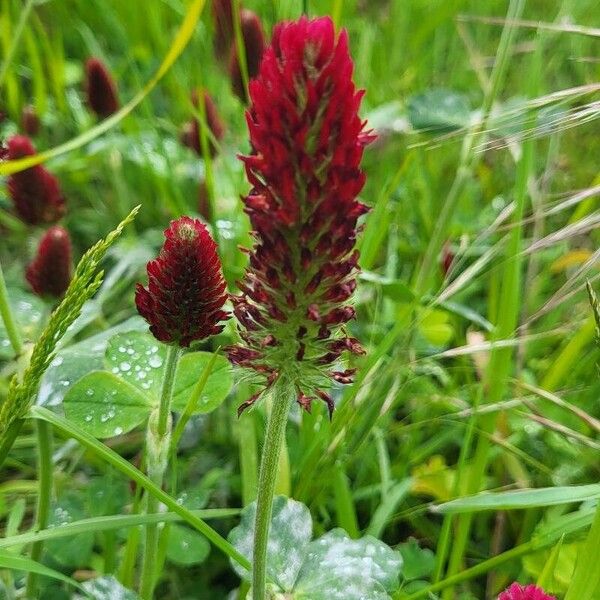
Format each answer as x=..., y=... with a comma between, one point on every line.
x=289, y=536
x=136, y=357
x=108, y=588
x=528, y=498
x=27, y=310
x=105, y=405
x=72, y=363
x=435, y=326
x=333, y=566
x=186, y=547
x=339, y=567
x=217, y=386
x=439, y=110
x=417, y=562
x=75, y=551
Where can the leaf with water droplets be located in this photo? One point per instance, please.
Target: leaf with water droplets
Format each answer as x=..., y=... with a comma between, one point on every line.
x=27, y=310
x=337, y=567
x=71, y=551
x=186, y=547
x=75, y=361
x=108, y=588
x=289, y=536
x=105, y=405
x=217, y=386
x=136, y=357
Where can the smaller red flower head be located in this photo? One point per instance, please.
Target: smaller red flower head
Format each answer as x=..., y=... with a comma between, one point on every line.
x=35, y=192
x=528, y=592
x=100, y=88
x=222, y=11
x=30, y=122
x=49, y=274
x=254, y=44
x=186, y=290
x=190, y=135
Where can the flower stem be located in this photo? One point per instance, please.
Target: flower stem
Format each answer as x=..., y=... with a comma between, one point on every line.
x=283, y=395
x=8, y=318
x=157, y=451
x=44, y=448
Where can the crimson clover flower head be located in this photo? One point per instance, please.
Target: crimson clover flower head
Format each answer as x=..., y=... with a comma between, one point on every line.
x=527, y=592
x=254, y=45
x=101, y=89
x=35, y=192
x=308, y=141
x=30, y=122
x=49, y=274
x=222, y=12
x=186, y=290
x=190, y=135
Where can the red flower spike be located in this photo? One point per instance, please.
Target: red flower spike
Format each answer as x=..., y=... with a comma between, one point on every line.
x=190, y=134
x=35, y=192
x=186, y=290
x=254, y=44
x=222, y=11
x=528, y=592
x=308, y=141
x=101, y=89
x=49, y=274
x=30, y=122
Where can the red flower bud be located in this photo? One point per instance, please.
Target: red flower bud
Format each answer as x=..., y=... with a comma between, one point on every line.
x=35, y=192
x=30, y=122
x=190, y=134
x=528, y=592
x=186, y=289
x=49, y=274
x=101, y=89
x=222, y=11
x=254, y=44
x=308, y=141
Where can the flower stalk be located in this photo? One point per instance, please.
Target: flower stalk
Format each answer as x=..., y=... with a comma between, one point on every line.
x=283, y=394
x=158, y=441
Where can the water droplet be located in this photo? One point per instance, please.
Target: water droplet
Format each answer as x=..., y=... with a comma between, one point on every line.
x=65, y=382
x=118, y=430
x=130, y=351
x=155, y=362
x=124, y=366
x=57, y=362
x=122, y=349
x=87, y=418
x=89, y=392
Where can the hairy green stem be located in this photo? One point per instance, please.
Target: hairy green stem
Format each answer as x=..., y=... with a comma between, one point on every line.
x=44, y=448
x=283, y=395
x=158, y=441
x=7, y=316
